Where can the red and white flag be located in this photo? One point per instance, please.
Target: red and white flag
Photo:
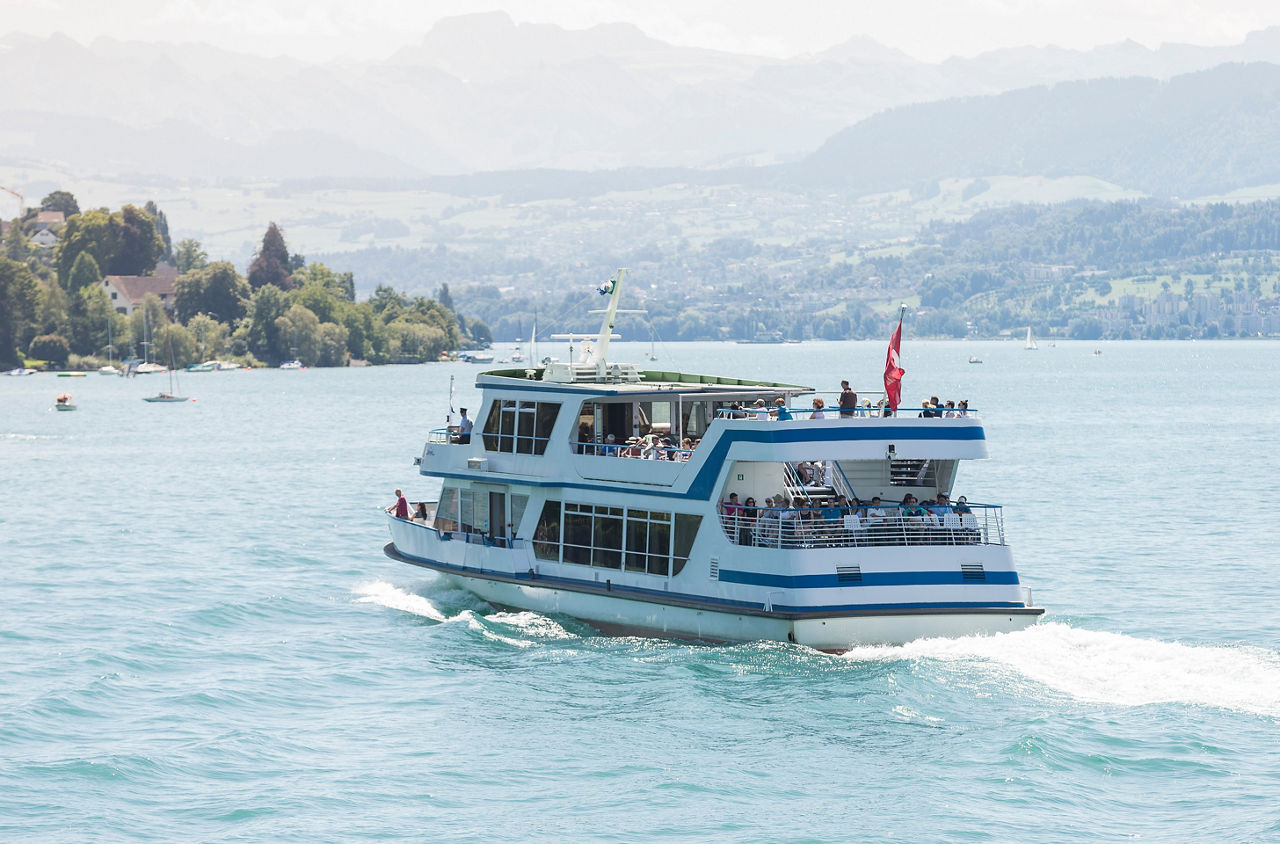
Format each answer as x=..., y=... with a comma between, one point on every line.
x=893, y=370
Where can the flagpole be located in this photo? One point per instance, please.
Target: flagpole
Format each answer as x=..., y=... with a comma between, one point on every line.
x=893, y=370
x=448, y=419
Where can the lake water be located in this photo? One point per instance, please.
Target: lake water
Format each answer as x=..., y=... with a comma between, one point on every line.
x=201, y=639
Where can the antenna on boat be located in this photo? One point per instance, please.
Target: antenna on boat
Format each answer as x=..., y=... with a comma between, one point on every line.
x=613, y=289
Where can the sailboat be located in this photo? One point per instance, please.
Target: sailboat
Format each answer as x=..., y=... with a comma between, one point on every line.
x=172, y=394
x=1031, y=343
x=110, y=368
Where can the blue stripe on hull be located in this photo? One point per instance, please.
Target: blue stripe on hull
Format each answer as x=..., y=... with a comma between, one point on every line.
x=887, y=578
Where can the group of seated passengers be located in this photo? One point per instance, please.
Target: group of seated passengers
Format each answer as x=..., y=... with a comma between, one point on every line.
x=647, y=446
x=761, y=411
x=932, y=407
x=837, y=507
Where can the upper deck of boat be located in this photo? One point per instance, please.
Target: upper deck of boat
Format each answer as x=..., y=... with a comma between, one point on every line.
x=628, y=380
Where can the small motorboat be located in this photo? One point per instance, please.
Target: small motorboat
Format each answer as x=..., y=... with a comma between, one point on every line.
x=974, y=359
x=22, y=370
x=291, y=364
x=108, y=370
x=63, y=402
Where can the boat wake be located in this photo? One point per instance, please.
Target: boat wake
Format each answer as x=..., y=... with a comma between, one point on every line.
x=385, y=595
x=1112, y=668
x=518, y=629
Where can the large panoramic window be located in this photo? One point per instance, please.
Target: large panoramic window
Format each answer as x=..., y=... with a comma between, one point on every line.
x=519, y=427
x=648, y=541
x=464, y=510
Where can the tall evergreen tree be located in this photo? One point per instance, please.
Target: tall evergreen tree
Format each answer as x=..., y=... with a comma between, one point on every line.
x=162, y=228
x=271, y=264
x=84, y=273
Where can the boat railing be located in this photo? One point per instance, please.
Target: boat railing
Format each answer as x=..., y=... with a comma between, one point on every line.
x=770, y=413
x=448, y=436
x=632, y=450
x=450, y=532
x=843, y=527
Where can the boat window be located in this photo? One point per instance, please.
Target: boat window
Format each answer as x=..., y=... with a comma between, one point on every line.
x=647, y=541
x=518, y=503
x=447, y=509
x=686, y=532
x=463, y=510
x=546, y=537
x=522, y=427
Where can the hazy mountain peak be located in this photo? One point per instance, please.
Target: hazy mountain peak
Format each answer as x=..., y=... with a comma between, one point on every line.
x=862, y=49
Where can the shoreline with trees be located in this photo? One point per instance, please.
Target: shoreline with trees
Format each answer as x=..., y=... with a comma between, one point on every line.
x=55, y=311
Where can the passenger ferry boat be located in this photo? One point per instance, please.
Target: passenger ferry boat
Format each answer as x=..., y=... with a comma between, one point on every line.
x=597, y=490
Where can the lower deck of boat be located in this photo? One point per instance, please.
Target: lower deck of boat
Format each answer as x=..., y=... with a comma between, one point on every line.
x=615, y=611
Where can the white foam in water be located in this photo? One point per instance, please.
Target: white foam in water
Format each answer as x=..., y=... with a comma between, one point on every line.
x=1115, y=668
x=386, y=595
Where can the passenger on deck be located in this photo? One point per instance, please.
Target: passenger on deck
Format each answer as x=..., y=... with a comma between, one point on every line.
x=911, y=508
x=401, y=506
x=761, y=412
x=420, y=515
x=732, y=507
x=961, y=507
x=784, y=414
x=464, y=427
x=941, y=506
x=747, y=521
x=962, y=408
x=585, y=436
x=875, y=511
x=936, y=405
x=950, y=412
x=818, y=405
x=848, y=400
x=610, y=446
x=736, y=411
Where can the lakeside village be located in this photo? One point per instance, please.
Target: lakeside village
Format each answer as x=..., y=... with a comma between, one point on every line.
x=92, y=289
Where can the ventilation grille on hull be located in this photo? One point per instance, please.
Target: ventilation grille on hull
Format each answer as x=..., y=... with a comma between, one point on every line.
x=715, y=568
x=848, y=574
x=972, y=571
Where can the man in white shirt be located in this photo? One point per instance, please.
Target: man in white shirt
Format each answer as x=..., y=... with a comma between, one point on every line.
x=464, y=428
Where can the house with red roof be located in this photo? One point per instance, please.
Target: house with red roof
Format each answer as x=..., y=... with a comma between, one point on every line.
x=126, y=292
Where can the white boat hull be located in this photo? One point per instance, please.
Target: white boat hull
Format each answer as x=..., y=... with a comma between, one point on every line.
x=615, y=614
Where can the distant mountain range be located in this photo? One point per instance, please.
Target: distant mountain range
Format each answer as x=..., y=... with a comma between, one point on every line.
x=481, y=93
x=1195, y=135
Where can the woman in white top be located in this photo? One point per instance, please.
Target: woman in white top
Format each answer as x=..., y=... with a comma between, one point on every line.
x=818, y=405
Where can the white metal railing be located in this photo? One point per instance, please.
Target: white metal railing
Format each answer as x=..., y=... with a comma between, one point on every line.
x=835, y=527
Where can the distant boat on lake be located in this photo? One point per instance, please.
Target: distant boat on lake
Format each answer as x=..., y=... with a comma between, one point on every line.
x=291, y=364
x=63, y=402
x=1031, y=343
x=974, y=359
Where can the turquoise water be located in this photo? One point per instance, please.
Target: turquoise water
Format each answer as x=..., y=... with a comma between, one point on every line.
x=200, y=636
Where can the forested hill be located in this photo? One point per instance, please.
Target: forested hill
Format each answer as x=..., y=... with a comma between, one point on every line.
x=1108, y=236
x=1198, y=134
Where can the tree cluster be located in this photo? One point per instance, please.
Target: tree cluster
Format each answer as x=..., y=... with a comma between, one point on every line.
x=54, y=309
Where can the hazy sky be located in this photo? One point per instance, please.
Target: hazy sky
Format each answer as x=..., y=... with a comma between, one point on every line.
x=928, y=29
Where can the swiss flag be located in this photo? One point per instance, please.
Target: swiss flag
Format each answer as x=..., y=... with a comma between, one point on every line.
x=893, y=370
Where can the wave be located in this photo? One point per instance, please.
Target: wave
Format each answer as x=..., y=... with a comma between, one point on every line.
x=385, y=595
x=1113, y=668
